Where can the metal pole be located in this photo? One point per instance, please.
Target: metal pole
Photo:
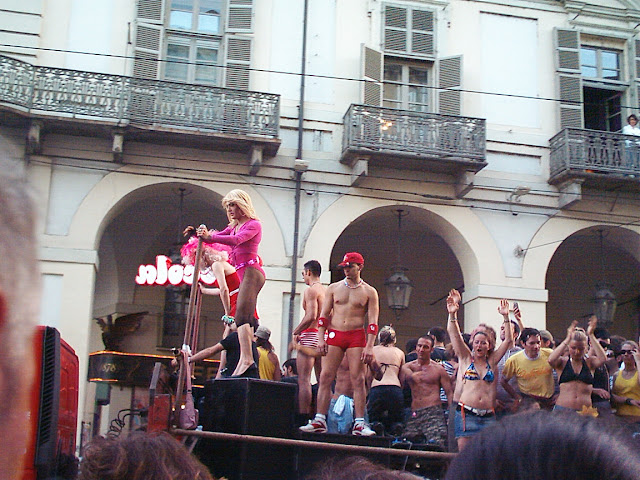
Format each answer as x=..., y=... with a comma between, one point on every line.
x=298, y=174
x=356, y=449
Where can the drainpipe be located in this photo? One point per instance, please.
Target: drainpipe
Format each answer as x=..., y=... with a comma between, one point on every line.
x=299, y=167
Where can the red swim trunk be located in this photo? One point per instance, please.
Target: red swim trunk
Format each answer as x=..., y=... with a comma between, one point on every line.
x=348, y=339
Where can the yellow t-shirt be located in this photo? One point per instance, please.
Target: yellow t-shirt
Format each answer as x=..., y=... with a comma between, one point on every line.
x=627, y=388
x=535, y=377
x=266, y=368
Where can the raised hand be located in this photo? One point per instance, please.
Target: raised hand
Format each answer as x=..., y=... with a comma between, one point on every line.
x=593, y=323
x=455, y=294
x=503, y=307
x=571, y=329
x=452, y=305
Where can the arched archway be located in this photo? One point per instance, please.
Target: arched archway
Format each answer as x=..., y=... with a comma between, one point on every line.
x=576, y=267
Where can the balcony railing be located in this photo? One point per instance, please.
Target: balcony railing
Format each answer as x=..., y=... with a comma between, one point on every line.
x=137, y=102
x=577, y=153
x=425, y=137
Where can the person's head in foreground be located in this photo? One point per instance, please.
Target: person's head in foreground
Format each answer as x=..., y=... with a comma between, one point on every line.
x=140, y=456
x=548, y=446
x=356, y=468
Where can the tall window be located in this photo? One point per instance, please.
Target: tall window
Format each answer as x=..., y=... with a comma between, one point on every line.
x=406, y=85
x=602, y=88
x=192, y=46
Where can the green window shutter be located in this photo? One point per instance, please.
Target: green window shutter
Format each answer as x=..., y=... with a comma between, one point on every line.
x=238, y=62
x=569, y=78
x=150, y=11
x=372, y=71
x=449, y=84
x=240, y=16
x=147, y=50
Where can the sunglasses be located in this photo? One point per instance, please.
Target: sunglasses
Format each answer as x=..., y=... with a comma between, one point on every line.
x=627, y=352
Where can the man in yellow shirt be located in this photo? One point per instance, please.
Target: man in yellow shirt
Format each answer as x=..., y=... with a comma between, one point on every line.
x=532, y=371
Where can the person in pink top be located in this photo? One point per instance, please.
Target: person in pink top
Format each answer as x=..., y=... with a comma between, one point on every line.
x=243, y=234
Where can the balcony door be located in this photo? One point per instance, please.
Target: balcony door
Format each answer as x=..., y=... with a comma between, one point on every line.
x=602, y=109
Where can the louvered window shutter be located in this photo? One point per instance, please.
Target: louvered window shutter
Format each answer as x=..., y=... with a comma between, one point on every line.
x=409, y=31
x=569, y=79
x=240, y=16
x=372, y=63
x=148, y=38
x=449, y=84
x=395, y=29
x=238, y=56
x=422, y=33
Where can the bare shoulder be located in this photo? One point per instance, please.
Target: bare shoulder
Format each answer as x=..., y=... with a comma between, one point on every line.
x=372, y=292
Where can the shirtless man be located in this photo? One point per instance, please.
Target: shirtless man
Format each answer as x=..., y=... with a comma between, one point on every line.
x=350, y=315
x=306, y=334
x=386, y=401
x=425, y=378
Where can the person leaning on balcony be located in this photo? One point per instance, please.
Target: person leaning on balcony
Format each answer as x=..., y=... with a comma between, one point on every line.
x=633, y=146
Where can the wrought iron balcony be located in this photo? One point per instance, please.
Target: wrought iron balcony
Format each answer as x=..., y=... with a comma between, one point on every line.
x=416, y=140
x=597, y=158
x=145, y=104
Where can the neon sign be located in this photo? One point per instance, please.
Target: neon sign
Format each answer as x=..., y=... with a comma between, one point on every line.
x=164, y=272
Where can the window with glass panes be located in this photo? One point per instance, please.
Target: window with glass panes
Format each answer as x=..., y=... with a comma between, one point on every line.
x=600, y=63
x=406, y=85
x=192, y=46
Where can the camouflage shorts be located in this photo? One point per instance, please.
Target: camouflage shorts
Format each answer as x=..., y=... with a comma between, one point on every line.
x=429, y=423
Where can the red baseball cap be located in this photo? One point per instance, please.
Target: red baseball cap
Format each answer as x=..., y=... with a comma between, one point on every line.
x=351, y=257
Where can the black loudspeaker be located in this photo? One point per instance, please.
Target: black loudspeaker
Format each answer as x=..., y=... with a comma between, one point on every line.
x=309, y=459
x=248, y=406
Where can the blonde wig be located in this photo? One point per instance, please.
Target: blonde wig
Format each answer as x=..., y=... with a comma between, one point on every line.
x=243, y=201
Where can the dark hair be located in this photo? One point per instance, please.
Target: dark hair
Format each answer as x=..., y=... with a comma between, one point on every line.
x=529, y=332
x=439, y=333
x=601, y=333
x=266, y=344
x=429, y=337
x=467, y=339
x=410, y=346
x=516, y=327
x=314, y=267
x=550, y=445
x=291, y=363
x=140, y=456
x=632, y=116
x=356, y=468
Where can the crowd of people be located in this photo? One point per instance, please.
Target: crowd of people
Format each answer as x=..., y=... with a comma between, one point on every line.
x=468, y=383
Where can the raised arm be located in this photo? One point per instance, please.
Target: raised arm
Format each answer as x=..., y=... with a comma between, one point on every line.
x=556, y=359
x=228, y=237
x=597, y=355
x=503, y=309
x=453, y=305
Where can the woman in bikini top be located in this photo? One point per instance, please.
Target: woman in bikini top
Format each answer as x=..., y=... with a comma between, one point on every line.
x=575, y=371
x=476, y=385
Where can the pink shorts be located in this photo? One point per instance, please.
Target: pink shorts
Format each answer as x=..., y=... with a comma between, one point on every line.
x=309, y=338
x=348, y=339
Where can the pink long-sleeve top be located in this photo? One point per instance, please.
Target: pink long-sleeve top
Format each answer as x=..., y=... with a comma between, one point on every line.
x=244, y=242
